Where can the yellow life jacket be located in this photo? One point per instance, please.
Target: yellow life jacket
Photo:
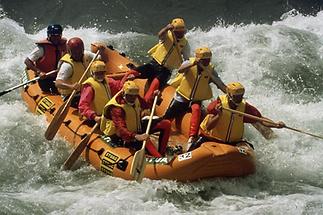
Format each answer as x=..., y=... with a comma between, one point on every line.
x=166, y=53
x=78, y=69
x=132, y=115
x=102, y=94
x=203, y=90
x=229, y=127
x=175, y=82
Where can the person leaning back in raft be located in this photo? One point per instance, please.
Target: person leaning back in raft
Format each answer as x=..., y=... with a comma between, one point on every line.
x=97, y=90
x=121, y=121
x=72, y=66
x=167, y=55
x=224, y=126
x=192, y=87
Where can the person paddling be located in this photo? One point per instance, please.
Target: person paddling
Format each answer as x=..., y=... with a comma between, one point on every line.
x=193, y=87
x=97, y=90
x=221, y=125
x=167, y=55
x=122, y=121
x=44, y=58
x=72, y=66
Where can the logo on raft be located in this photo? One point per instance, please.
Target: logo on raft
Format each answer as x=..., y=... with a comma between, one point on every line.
x=108, y=162
x=152, y=160
x=44, y=105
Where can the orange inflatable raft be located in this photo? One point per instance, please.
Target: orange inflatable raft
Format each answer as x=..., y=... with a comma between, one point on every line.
x=210, y=160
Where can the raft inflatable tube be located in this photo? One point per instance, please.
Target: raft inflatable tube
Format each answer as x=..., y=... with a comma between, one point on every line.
x=210, y=160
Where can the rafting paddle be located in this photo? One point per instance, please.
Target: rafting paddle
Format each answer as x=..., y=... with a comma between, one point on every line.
x=138, y=165
x=260, y=119
x=78, y=150
x=25, y=83
x=63, y=110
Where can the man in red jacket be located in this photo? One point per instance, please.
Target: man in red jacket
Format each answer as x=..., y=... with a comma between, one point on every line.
x=97, y=90
x=44, y=58
x=122, y=121
x=224, y=126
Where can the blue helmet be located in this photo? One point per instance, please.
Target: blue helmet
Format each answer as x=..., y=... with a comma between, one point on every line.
x=55, y=29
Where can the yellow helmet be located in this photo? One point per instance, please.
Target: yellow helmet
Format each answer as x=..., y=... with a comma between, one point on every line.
x=131, y=88
x=235, y=88
x=203, y=53
x=178, y=24
x=97, y=66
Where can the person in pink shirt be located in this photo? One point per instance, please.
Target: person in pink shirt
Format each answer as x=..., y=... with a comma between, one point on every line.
x=97, y=90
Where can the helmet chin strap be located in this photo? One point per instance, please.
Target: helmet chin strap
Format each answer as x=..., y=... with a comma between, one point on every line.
x=129, y=103
x=99, y=80
x=233, y=102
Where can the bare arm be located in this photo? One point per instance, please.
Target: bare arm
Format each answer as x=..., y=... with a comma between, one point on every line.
x=101, y=48
x=163, y=32
x=273, y=124
x=64, y=85
x=185, y=66
x=218, y=82
x=30, y=65
x=35, y=55
x=103, y=55
x=64, y=73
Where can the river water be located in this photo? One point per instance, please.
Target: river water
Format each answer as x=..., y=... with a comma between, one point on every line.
x=278, y=59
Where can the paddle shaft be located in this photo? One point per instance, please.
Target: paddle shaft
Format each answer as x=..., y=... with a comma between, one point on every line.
x=81, y=79
x=303, y=132
x=61, y=113
x=150, y=120
x=270, y=122
x=78, y=150
x=70, y=98
x=25, y=83
x=138, y=163
x=251, y=116
x=117, y=76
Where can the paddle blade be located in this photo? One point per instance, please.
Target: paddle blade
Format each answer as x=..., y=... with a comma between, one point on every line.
x=56, y=122
x=138, y=165
x=76, y=153
x=78, y=150
x=4, y=92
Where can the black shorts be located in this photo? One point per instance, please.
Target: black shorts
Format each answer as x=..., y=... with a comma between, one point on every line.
x=47, y=85
x=75, y=100
x=177, y=109
x=153, y=70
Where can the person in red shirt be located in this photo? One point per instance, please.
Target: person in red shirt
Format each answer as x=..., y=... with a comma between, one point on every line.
x=224, y=126
x=122, y=121
x=97, y=90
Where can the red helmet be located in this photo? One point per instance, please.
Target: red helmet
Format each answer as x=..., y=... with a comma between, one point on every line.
x=75, y=43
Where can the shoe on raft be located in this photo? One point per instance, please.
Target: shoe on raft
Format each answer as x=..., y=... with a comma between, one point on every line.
x=174, y=150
